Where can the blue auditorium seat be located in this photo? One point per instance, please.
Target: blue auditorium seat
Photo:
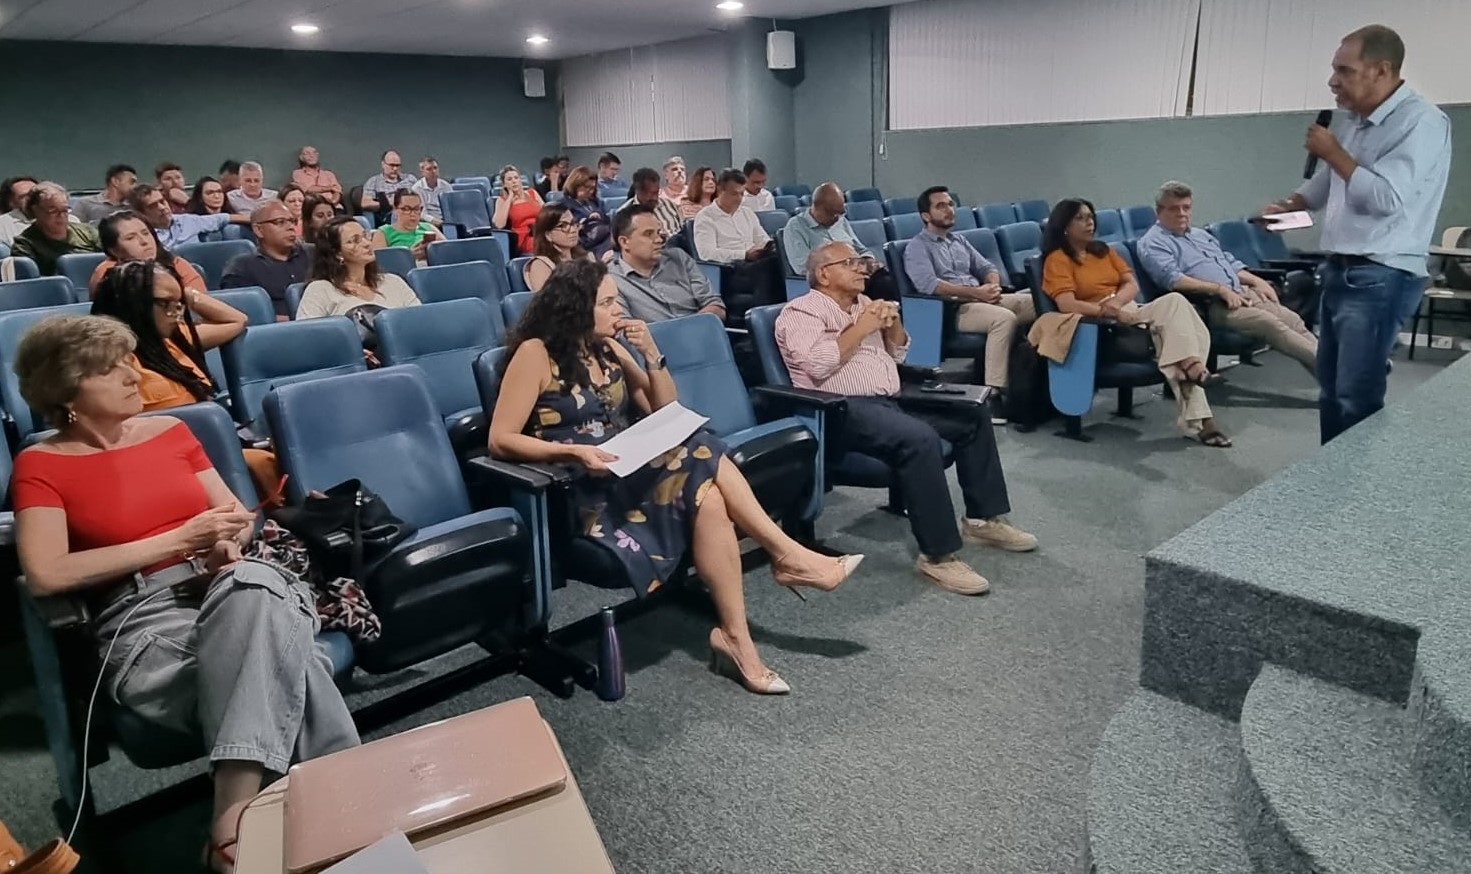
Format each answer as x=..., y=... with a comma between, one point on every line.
x=294, y=292
x=1015, y=243
x=78, y=267
x=13, y=325
x=1033, y=211
x=1137, y=220
x=267, y=357
x=466, y=249
x=903, y=226
x=797, y=191
x=443, y=340
x=475, y=183
x=983, y=240
x=478, y=279
x=251, y=300
x=773, y=221
x=467, y=211
x=994, y=215
x=211, y=258
x=513, y=306
x=864, y=195
x=25, y=268
x=516, y=274
x=398, y=260
x=47, y=291
x=901, y=206
x=871, y=233
x=930, y=320
x=1108, y=226
x=788, y=202
x=965, y=219
x=462, y=574
x=864, y=210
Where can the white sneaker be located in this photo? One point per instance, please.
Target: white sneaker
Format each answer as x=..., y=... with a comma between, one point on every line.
x=952, y=575
x=999, y=533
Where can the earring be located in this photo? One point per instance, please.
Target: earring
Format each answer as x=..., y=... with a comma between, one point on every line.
x=71, y=416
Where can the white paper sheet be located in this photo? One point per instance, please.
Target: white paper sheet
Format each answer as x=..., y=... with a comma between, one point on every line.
x=659, y=432
x=1287, y=221
x=392, y=855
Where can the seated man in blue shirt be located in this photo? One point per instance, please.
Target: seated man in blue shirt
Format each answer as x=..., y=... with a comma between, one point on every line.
x=1181, y=258
x=173, y=229
x=609, y=182
x=939, y=262
x=826, y=221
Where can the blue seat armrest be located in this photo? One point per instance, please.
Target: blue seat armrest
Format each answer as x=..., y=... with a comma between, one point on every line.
x=519, y=475
x=791, y=396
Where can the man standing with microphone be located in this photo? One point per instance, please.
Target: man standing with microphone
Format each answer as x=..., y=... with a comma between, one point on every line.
x=1381, y=189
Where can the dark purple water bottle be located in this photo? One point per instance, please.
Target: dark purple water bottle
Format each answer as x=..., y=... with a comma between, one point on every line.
x=612, y=685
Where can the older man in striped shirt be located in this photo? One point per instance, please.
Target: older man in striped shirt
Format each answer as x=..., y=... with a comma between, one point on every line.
x=835, y=339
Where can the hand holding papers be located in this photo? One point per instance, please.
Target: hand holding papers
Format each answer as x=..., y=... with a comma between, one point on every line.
x=1284, y=221
x=659, y=432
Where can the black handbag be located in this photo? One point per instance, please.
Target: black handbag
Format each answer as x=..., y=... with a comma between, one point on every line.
x=365, y=317
x=347, y=529
x=1126, y=343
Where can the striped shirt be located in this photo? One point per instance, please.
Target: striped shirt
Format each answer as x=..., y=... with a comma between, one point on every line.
x=807, y=334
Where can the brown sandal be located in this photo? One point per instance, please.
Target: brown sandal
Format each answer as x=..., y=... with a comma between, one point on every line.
x=1214, y=438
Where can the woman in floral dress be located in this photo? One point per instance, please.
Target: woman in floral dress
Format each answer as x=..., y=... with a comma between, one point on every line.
x=569, y=386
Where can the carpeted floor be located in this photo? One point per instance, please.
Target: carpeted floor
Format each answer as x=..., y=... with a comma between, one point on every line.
x=926, y=732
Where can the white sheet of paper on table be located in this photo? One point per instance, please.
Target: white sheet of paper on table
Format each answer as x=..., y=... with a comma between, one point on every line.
x=659, y=432
x=392, y=855
x=1287, y=221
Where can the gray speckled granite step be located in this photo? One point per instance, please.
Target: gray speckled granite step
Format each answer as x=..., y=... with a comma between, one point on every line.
x=1328, y=784
x=1161, y=798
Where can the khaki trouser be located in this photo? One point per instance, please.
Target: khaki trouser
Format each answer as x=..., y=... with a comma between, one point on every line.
x=1178, y=334
x=998, y=321
x=1274, y=324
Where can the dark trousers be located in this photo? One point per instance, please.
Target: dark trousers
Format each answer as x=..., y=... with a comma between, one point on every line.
x=909, y=443
x=747, y=284
x=1364, y=305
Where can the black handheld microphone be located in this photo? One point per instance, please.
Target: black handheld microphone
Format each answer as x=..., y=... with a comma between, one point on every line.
x=1325, y=118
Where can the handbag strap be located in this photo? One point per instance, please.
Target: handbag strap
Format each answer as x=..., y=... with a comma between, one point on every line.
x=356, y=562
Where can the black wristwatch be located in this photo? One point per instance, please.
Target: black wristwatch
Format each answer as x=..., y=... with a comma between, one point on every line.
x=658, y=363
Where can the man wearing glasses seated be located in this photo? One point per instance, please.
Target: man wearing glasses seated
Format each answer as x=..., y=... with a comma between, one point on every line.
x=278, y=261
x=378, y=190
x=52, y=233
x=836, y=339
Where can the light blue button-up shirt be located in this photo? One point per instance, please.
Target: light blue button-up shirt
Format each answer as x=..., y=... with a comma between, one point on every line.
x=186, y=228
x=1168, y=257
x=931, y=258
x=803, y=234
x=1387, y=209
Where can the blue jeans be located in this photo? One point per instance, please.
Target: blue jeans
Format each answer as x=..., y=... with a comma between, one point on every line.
x=1364, y=305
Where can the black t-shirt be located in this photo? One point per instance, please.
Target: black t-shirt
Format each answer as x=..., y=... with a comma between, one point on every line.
x=261, y=269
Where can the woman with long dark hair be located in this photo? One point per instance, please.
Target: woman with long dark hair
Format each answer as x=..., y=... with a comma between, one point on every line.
x=207, y=198
x=345, y=275
x=1085, y=276
x=126, y=236
x=553, y=240
x=699, y=193
x=316, y=211
x=568, y=386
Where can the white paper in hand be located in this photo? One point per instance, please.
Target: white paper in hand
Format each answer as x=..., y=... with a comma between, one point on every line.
x=659, y=432
x=1287, y=221
x=392, y=855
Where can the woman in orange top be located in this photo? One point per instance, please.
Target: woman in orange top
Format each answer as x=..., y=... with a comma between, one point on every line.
x=127, y=237
x=1085, y=276
x=175, y=327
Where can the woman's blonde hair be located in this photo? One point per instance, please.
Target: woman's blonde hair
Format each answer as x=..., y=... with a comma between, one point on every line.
x=579, y=177
x=58, y=352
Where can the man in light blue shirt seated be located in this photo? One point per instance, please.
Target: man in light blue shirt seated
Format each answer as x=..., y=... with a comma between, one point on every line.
x=1380, y=186
x=826, y=221
x=940, y=262
x=175, y=228
x=1181, y=258
x=610, y=184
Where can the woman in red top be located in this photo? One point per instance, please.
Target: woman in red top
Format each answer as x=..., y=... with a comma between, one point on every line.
x=128, y=513
x=516, y=208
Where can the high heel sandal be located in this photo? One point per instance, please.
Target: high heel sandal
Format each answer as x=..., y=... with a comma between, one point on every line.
x=835, y=573
x=725, y=661
x=224, y=851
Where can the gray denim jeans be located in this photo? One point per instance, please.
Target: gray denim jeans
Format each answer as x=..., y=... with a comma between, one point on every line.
x=239, y=666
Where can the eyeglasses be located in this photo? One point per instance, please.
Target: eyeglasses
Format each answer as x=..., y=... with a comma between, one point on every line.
x=282, y=222
x=386, y=164
x=169, y=307
x=853, y=263
x=565, y=226
x=53, y=211
x=409, y=208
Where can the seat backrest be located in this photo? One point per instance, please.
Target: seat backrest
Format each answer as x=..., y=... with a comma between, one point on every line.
x=704, y=368
x=965, y=218
x=1108, y=226
x=611, y=205
x=983, y=240
x=773, y=220
x=293, y=297
x=761, y=322
x=443, y=340
x=78, y=267
x=25, y=268
x=554, y=197
x=894, y=255
x=790, y=203
x=1015, y=242
x=487, y=369
x=1148, y=288
x=211, y=258
x=797, y=191
x=465, y=208
x=787, y=267
x=516, y=275
x=380, y=427
x=994, y=215
x=862, y=195
x=479, y=279
x=252, y=300
x=1268, y=246
x=1032, y=211
x=1126, y=252
x=465, y=249
x=13, y=325
x=268, y=356
x=903, y=226
x=513, y=306
x=1137, y=220
x=471, y=185
x=215, y=431
x=398, y=260
x=864, y=210
x=901, y=206
x=1235, y=237
x=870, y=232
x=1032, y=269
x=47, y=291
x=481, y=181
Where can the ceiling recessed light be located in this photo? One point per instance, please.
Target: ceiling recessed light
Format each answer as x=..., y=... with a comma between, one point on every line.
x=730, y=5
x=304, y=29
x=537, y=39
